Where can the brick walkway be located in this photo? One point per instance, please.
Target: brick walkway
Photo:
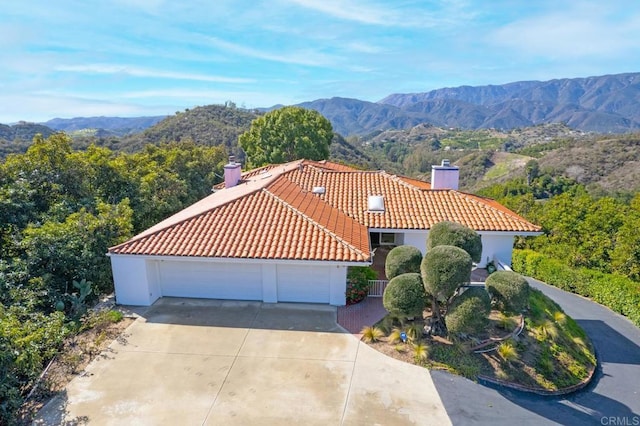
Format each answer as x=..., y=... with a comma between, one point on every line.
x=368, y=312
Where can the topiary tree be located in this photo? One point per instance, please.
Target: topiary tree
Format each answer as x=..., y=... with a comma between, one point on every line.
x=404, y=295
x=509, y=290
x=455, y=234
x=443, y=270
x=402, y=260
x=468, y=314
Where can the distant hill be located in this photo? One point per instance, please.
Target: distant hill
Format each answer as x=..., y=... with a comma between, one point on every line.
x=23, y=131
x=205, y=125
x=16, y=138
x=221, y=125
x=103, y=126
x=604, y=104
x=356, y=117
x=605, y=164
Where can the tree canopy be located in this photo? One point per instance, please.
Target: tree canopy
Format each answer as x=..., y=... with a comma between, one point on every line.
x=287, y=134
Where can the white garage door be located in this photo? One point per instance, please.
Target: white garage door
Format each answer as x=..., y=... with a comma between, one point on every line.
x=303, y=284
x=211, y=280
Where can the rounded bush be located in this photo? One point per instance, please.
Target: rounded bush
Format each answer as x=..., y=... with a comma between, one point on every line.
x=455, y=234
x=444, y=269
x=402, y=260
x=404, y=296
x=469, y=312
x=509, y=289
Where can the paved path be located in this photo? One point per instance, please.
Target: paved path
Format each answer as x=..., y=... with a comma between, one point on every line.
x=207, y=362
x=613, y=398
x=366, y=313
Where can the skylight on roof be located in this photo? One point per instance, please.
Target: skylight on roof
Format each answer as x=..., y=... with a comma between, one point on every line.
x=376, y=203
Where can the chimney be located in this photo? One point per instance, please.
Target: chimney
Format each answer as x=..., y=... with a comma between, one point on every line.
x=232, y=173
x=445, y=176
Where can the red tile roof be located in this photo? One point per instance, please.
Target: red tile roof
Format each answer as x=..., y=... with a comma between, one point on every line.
x=274, y=214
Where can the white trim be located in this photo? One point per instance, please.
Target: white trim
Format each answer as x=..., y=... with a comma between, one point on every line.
x=241, y=260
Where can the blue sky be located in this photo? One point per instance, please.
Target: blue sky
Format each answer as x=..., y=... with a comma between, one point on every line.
x=156, y=57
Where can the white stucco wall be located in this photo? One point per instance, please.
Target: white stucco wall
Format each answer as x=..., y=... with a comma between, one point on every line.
x=337, y=285
x=498, y=245
x=132, y=277
x=417, y=239
x=137, y=279
x=493, y=244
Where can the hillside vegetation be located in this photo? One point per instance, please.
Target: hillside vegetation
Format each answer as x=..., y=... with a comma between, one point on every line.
x=60, y=209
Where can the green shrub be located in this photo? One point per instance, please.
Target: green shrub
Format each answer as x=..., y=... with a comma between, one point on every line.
x=455, y=234
x=402, y=260
x=404, y=295
x=28, y=341
x=444, y=269
x=469, y=312
x=358, y=283
x=618, y=293
x=509, y=289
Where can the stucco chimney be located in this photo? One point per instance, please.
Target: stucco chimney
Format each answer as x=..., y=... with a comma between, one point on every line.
x=232, y=173
x=445, y=176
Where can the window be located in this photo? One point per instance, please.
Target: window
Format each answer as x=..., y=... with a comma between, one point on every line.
x=387, y=238
x=382, y=239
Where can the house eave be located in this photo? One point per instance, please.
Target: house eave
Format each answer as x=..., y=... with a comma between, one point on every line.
x=242, y=260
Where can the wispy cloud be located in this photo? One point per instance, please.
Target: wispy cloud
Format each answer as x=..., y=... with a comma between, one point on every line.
x=144, y=72
x=350, y=11
x=308, y=57
x=388, y=14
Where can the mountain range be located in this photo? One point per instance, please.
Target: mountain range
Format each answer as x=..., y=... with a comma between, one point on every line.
x=603, y=104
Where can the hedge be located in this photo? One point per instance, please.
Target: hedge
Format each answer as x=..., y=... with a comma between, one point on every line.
x=616, y=292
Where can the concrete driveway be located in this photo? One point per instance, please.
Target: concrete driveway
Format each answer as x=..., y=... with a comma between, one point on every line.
x=206, y=362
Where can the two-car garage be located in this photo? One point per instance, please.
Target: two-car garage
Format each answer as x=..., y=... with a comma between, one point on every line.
x=142, y=280
x=210, y=280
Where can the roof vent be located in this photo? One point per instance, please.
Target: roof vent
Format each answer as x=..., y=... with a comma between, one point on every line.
x=376, y=203
x=318, y=190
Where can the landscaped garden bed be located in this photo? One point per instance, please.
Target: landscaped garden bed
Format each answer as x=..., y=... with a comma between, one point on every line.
x=551, y=354
x=503, y=332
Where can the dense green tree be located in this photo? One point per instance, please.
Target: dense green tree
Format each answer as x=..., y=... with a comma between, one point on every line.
x=287, y=134
x=61, y=252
